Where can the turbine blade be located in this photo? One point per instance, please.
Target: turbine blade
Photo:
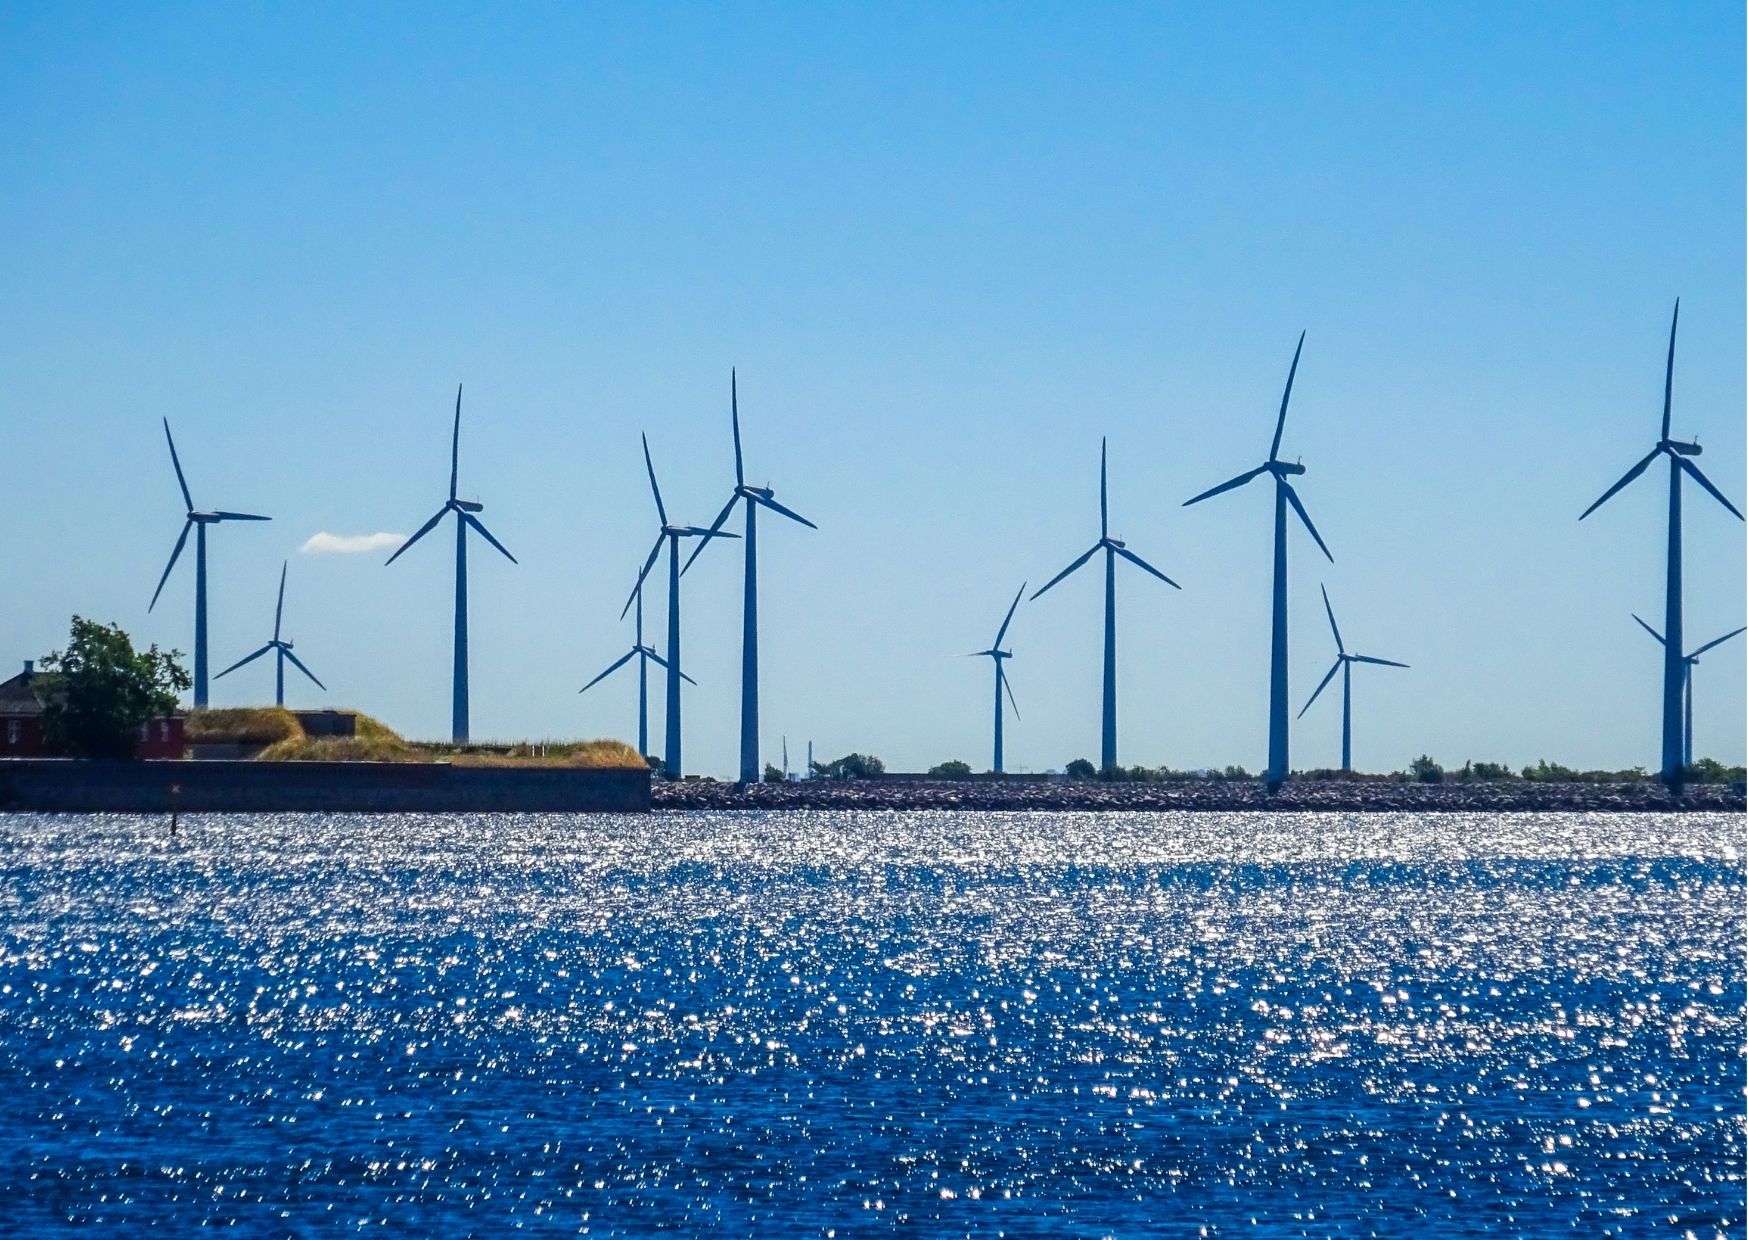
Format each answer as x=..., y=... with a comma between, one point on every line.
x=1293, y=499
x=642, y=573
x=1059, y=576
x=1281, y=422
x=1627, y=477
x=1653, y=632
x=187, y=499
x=774, y=506
x=1329, y=676
x=1006, y=684
x=714, y=526
x=279, y=608
x=183, y=538
x=455, y=445
x=245, y=659
x=1366, y=658
x=662, y=663
x=612, y=667
x=1706, y=482
x=1141, y=563
x=1104, y=501
x=487, y=535
x=1008, y=619
x=740, y=478
x=422, y=531
x=298, y=664
x=661, y=509
x=1227, y=485
x=1716, y=641
x=1669, y=368
x=1339, y=648
x=239, y=516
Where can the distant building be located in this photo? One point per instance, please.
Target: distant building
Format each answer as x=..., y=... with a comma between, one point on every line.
x=21, y=709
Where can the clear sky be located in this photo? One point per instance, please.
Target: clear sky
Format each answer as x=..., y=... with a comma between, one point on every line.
x=948, y=247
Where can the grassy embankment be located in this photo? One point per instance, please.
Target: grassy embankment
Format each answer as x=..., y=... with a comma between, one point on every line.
x=286, y=741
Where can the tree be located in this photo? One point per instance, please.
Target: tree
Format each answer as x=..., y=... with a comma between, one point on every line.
x=952, y=768
x=1080, y=768
x=773, y=775
x=1426, y=770
x=98, y=691
x=851, y=766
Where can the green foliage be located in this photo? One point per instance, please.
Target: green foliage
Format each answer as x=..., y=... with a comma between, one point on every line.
x=773, y=775
x=1483, y=773
x=851, y=766
x=99, y=690
x=1711, y=771
x=1236, y=772
x=1550, y=773
x=951, y=769
x=1080, y=768
x=1426, y=770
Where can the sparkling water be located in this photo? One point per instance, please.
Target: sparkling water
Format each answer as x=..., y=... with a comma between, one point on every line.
x=817, y=1024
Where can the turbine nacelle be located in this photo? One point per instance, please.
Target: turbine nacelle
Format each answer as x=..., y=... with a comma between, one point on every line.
x=1679, y=448
x=1282, y=469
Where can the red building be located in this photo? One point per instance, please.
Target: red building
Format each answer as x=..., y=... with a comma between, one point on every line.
x=21, y=724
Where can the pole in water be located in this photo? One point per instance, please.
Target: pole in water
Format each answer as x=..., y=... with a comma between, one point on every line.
x=175, y=811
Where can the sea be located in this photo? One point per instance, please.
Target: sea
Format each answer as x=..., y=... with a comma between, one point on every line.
x=826, y=1024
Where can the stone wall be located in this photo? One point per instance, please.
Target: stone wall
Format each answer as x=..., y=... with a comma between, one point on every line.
x=64, y=785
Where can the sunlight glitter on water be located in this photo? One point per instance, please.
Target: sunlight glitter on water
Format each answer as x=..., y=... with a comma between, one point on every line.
x=955, y=1023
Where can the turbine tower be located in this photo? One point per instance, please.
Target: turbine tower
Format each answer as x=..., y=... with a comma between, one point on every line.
x=464, y=511
x=670, y=534
x=1688, y=663
x=996, y=653
x=1344, y=664
x=645, y=655
x=282, y=648
x=196, y=521
x=1674, y=668
x=1112, y=548
x=753, y=497
x=1284, y=495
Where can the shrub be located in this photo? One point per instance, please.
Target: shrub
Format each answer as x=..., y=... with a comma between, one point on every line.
x=1550, y=772
x=1235, y=772
x=1426, y=770
x=952, y=768
x=773, y=775
x=851, y=766
x=1080, y=768
x=1711, y=771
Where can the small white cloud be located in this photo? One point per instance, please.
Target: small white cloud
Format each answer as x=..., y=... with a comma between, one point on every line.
x=351, y=544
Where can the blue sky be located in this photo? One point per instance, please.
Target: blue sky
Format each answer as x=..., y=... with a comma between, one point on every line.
x=948, y=247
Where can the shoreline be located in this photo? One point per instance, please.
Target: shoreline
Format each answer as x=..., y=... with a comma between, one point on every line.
x=1312, y=796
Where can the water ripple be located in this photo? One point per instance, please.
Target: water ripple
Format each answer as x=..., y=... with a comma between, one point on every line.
x=853, y=1023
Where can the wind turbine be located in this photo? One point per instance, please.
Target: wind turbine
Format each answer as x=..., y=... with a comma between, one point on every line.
x=996, y=653
x=1284, y=495
x=1112, y=548
x=644, y=655
x=1344, y=664
x=1674, y=669
x=1688, y=663
x=282, y=648
x=464, y=511
x=753, y=497
x=196, y=521
x=671, y=534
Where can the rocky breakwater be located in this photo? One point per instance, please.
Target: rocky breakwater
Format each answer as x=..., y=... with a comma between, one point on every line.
x=1323, y=796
